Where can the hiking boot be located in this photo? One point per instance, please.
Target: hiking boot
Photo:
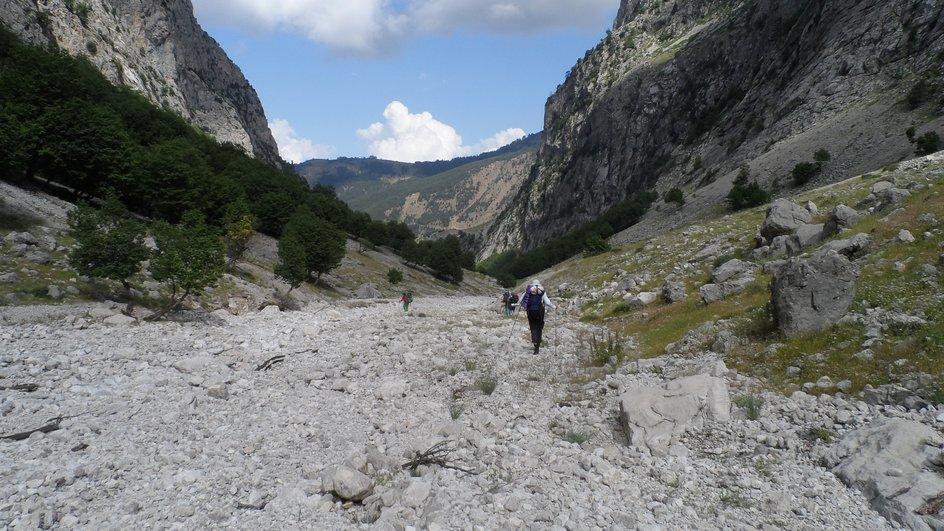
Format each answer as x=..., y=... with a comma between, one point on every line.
x=537, y=349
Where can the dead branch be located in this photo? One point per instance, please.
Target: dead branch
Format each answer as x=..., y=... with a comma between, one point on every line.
x=26, y=388
x=50, y=426
x=269, y=363
x=439, y=454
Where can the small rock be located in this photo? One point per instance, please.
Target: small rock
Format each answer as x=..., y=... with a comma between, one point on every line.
x=905, y=236
x=349, y=484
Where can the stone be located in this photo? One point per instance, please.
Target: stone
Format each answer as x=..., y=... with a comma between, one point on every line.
x=641, y=299
x=415, y=494
x=368, y=291
x=850, y=247
x=782, y=246
x=894, y=463
x=9, y=278
x=715, y=292
x=349, y=484
x=880, y=186
x=731, y=269
x=891, y=197
x=808, y=234
x=809, y=295
x=655, y=417
x=54, y=291
x=905, y=236
x=811, y=208
x=783, y=218
x=219, y=391
x=673, y=291
x=119, y=319
x=840, y=218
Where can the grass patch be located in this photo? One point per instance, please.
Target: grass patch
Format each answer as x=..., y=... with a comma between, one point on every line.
x=822, y=434
x=576, y=437
x=751, y=404
x=486, y=385
x=734, y=499
x=606, y=349
x=455, y=410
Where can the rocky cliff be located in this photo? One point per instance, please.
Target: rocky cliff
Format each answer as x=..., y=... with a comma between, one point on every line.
x=158, y=49
x=683, y=92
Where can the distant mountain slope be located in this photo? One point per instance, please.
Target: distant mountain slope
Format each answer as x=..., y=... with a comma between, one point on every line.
x=158, y=49
x=683, y=92
x=463, y=194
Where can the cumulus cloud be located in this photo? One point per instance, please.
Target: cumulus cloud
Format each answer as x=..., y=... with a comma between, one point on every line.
x=411, y=137
x=294, y=148
x=370, y=27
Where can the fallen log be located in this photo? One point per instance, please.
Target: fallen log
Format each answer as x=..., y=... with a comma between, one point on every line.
x=50, y=426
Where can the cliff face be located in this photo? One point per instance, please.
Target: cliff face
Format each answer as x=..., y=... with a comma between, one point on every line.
x=158, y=49
x=683, y=92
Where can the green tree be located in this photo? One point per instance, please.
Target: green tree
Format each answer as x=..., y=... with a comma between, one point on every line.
x=395, y=276
x=927, y=143
x=109, y=243
x=238, y=225
x=324, y=244
x=746, y=193
x=822, y=155
x=12, y=152
x=189, y=257
x=675, y=196
x=293, y=263
x=594, y=245
x=804, y=172
x=83, y=145
x=272, y=211
x=164, y=183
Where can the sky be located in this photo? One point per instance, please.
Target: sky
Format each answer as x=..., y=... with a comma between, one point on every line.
x=403, y=79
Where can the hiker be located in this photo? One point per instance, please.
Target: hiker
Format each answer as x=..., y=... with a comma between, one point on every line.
x=512, y=303
x=506, y=302
x=406, y=299
x=534, y=300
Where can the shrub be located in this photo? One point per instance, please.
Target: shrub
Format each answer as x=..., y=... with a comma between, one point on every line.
x=109, y=243
x=487, y=385
x=910, y=133
x=576, y=437
x=395, y=276
x=927, y=143
x=91, y=47
x=752, y=405
x=603, y=350
x=675, y=195
x=822, y=155
x=237, y=230
x=920, y=93
x=189, y=257
x=804, y=172
x=746, y=194
x=595, y=245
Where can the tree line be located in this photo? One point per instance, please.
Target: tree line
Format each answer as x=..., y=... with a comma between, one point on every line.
x=61, y=121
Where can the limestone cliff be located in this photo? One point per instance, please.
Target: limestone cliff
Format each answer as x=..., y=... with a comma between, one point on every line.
x=683, y=92
x=158, y=49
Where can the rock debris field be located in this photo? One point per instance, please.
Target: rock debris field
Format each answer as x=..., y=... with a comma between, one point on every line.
x=324, y=418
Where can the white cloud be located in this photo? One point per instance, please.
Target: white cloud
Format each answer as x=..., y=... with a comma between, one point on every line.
x=294, y=148
x=370, y=27
x=409, y=137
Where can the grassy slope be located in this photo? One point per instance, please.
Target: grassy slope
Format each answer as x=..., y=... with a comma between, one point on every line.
x=889, y=280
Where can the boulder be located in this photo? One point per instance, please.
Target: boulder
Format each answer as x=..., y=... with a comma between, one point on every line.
x=894, y=462
x=808, y=234
x=715, y=292
x=880, y=186
x=905, y=236
x=642, y=299
x=731, y=269
x=892, y=197
x=782, y=246
x=809, y=295
x=673, y=291
x=850, y=247
x=784, y=217
x=655, y=417
x=9, y=278
x=840, y=218
x=368, y=291
x=415, y=494
x=54, y=291
x=349, y=484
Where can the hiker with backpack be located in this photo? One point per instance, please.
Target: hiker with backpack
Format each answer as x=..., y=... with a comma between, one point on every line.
x=406, y=299
x=534, y=300
x=509, y=301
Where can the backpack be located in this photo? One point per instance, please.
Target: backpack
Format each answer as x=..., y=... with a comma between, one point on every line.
x=536, y=300
x=506, y=297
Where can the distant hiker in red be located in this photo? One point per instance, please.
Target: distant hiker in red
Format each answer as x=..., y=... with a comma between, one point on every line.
x=534, y=300
x=407, y=299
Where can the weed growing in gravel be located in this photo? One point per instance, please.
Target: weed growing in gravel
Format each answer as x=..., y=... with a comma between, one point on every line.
x=576, y=437
x=487, y=385
x=456, y=409
x=734, y=499
x=752, y=404
x=603, y=350
x=470, y=365
x=821, y=433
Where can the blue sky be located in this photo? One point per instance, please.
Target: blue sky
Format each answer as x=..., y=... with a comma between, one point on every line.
x=476, y=78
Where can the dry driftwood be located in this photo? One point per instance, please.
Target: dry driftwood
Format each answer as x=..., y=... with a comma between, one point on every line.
x=50, y=426
x=267, y=364
x=439, y=454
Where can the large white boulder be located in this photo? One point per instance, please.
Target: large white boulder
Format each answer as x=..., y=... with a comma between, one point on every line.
x=654, y=417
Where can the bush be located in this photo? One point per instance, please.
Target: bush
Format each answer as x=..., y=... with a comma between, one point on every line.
x=395, y=276
x=189, y=257
x=927, y=143
x=109, y=243
x=596, y=245
x=910, y=134
x=746, y=194
x=237, y=230
x=822, y=155
x=752, y=404
x=602, y=351
x=675, y=196
x=486, y=384
x=293, y=263
x=921, y=92
x=804, y=172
